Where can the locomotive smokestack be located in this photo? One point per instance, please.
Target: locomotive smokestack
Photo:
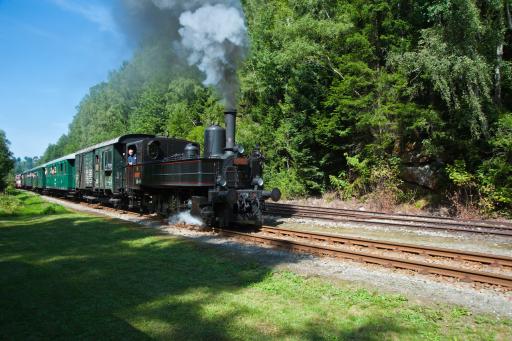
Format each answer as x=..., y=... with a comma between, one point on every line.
x=230, y=121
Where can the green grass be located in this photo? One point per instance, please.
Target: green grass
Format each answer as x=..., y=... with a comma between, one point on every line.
x=19, y=203
x=66, y=275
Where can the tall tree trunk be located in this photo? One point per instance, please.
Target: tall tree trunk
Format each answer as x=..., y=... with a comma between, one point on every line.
x=499, y=58
x=497, y=74
x=509, y=16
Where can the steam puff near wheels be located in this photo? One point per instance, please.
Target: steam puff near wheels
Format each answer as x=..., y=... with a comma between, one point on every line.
x=185, y=218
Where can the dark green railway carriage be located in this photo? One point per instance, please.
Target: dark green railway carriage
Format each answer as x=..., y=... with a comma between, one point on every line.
x=39, y=178
x=27, y=179
x=60, y=173
x=101, y=168
x=24, y=179
x=34, y=178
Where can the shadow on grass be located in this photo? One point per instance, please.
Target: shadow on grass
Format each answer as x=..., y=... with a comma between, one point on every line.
x=68, y=276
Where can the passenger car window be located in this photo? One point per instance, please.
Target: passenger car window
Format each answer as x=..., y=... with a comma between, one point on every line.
x=107, y=160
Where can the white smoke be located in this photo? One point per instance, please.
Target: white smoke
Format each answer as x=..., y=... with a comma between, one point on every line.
x=208, y=34
x=181, y=5
x=173, y=4
x=216, y=37
x=185, y=218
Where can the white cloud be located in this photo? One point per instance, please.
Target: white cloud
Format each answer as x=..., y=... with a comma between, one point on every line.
x=95, y=13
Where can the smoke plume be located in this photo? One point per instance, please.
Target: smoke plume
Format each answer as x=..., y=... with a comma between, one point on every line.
x=209, y=34
x=216, y=38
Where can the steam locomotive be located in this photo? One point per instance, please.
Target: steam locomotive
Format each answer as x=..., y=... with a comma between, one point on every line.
x=222, y=187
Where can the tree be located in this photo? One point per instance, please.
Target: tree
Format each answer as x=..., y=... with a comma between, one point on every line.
x=6, y=160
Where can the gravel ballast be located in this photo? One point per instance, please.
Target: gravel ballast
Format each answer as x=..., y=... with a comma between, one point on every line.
x=464, y=241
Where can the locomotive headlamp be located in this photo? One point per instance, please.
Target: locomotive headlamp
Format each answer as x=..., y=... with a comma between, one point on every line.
x=258, y=181
x=221, y=181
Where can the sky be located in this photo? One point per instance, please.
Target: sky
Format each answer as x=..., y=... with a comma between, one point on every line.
x=51, y=53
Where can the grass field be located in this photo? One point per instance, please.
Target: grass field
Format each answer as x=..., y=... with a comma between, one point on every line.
x=67, y=275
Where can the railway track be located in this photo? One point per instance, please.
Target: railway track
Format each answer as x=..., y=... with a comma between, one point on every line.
x=390, y=220
x=273, y=236
x=268, y=236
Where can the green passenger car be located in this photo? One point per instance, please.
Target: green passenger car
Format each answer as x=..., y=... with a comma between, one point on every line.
x=34, y=178
x=39, y=178
x=60, y=173
x=26, y=179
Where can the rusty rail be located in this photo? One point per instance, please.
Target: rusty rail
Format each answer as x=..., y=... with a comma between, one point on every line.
x=482, y=258
x=386, y=261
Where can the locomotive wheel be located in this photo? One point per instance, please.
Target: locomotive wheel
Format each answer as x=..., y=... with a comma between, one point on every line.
x=223, y=214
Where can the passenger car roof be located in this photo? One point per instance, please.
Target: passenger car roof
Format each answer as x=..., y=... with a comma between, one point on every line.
x=67, y=157
x=119, y=139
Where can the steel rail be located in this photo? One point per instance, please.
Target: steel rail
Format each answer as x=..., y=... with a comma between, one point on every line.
x=386, y=220
x=423, y=268
x=397, y=216
x=482, y=258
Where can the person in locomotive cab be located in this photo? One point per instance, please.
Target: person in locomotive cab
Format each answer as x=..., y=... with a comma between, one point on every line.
x=132, y=156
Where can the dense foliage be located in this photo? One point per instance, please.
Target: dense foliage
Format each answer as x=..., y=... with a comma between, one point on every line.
x=6, y=161
x=25, y=164
x=350, y=96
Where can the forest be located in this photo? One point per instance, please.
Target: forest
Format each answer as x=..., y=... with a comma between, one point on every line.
x=346, y=98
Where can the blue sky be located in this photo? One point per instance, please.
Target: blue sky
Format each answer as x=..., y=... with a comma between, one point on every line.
x=51, y=53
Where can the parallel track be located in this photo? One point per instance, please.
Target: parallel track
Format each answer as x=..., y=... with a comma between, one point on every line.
x=387, y=261
x=390, y=220
x=482, y=258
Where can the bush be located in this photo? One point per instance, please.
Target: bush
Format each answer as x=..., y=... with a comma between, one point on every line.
x=9, y=205
x=495, y=180
x=288, y=182
x=377, y=182
x=459, y=176
x=495, y=174
x=10, y=190
x=49, y=210
x=464, y=195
